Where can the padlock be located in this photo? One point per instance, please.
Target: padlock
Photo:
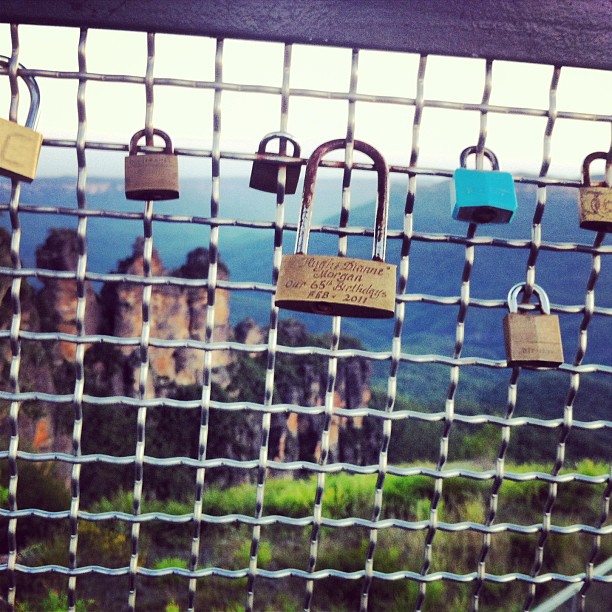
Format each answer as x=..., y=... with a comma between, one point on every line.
x=532, y=340
x=595, y=201
x=264, y=174
x=343, y=286
x=482, y=196
x=20, y=145
x=153, y=176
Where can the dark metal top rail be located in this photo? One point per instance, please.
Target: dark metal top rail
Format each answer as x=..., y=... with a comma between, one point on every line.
x=558, y=32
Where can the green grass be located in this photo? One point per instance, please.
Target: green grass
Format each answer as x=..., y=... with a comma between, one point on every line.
x=228, y=546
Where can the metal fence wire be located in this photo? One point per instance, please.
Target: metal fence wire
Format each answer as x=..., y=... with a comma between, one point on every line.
x=432, y=576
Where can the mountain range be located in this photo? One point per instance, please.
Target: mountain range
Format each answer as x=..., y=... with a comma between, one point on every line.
x=436, y=261
x=435, y=266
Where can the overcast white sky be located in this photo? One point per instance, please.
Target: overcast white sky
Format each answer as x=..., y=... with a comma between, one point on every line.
x=116, y=111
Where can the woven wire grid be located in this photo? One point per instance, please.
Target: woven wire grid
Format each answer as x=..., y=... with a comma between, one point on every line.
x=398, y=355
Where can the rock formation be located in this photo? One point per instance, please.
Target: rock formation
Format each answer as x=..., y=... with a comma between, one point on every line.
x=58, y=298
x=302, y=381
x=177, y=312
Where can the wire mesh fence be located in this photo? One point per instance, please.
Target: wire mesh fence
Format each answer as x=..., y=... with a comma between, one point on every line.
x=152, y=428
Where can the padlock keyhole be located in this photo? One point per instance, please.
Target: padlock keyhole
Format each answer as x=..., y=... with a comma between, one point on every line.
x=321, y=308
x=484, y=214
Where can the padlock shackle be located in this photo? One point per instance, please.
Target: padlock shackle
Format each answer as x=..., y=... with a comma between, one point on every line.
x=537, y=290
x=586, y=165
x=380, y=226
x=34, y=91
x=138, y=135
x=486, y=152
x=285, y=135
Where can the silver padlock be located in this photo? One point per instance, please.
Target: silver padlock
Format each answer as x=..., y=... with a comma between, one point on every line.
x=264, y=174
x=532, y=341
x=152, y=176
x=20, y=145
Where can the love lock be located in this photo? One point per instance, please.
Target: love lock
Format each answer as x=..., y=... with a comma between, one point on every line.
x=482, y=196
x=532, y=341
x=20, y=145
x=342, y=286
x=595, y=201
x=152, y=176
x=264, y=173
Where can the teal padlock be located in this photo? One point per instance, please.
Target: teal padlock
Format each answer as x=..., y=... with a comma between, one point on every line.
x=482, y=196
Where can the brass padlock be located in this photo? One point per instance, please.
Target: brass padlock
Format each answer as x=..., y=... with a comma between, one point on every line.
x=153, y=176
x=264, y=174
x=20, y=145
x=595, y=201
x=532, y=341
x=343, y=286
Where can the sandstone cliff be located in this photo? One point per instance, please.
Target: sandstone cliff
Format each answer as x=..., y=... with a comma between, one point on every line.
x=176, y=313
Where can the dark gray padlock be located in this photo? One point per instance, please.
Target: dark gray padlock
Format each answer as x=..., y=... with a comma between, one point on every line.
x=264, y=174
x=152, y=176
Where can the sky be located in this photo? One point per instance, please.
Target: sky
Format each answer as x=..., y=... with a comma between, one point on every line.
x=115, y=111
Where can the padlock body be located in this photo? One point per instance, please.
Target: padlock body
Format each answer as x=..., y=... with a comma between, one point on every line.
x=153, y=176
x=483, y=196
x=19, y=151
x=342, y=286
x=595, y=208
x=264, y=176
x=533, y=341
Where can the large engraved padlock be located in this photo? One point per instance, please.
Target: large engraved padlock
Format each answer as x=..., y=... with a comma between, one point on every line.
x=264, y=174
x=595, y=201
x=532, y=340
x=339, y=285
x=153, y=176
x=482, y=196
x=20, y=145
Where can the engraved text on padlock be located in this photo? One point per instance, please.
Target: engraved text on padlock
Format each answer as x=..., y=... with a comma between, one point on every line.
x=595, y=201
x=336, y=285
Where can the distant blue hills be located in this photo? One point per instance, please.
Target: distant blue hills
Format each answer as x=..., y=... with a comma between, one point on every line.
x=436, y=266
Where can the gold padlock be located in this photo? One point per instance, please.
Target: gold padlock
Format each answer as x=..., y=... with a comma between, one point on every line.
x=343, y=286
x=595, y=201
x=151, y=176
x=20, y=145
x=532, y=341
